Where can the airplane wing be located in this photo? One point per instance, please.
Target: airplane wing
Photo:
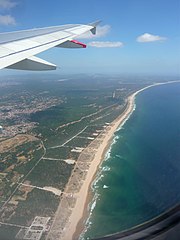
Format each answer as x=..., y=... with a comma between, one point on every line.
x=17, y=49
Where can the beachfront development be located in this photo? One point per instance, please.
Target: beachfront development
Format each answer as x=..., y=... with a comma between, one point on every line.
x=47, y=168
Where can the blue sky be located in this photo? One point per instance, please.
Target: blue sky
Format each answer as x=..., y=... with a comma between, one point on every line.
x=135, y=36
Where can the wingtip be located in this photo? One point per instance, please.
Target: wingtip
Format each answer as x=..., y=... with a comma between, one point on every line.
x=94, y=24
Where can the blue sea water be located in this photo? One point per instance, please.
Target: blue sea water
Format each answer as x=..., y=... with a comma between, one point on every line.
x=140, y=177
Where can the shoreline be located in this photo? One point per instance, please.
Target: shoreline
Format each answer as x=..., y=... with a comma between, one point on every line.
x=90, y=195
x=80, y=211
x=77, y=214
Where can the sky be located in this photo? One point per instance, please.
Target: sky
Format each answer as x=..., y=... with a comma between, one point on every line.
x=134, y=37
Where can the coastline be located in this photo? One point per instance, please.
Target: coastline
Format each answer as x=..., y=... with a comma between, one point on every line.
x=73, y=227
x=74, y=222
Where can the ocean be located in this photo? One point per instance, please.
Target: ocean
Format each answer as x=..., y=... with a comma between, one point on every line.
x=140, y=175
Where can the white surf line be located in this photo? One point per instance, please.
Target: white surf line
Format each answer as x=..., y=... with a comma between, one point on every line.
x=156, y=84
x=13, y=225
x=70, y=228
x=62, y=145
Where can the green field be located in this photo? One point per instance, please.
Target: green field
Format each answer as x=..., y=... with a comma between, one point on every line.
x=50, y=173
x=38, y=203
x=63, y=115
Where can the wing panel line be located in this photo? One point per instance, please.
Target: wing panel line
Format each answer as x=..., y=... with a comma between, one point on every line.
x=32, y=47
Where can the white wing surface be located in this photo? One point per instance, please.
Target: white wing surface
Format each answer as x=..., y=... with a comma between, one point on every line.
x=17, y=49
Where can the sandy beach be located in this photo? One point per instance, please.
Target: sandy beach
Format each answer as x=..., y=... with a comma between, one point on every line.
x=76, y=201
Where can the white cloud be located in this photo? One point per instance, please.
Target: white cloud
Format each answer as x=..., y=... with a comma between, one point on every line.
x=105, y=44
x=101, y=31
x=7, y=4
x=7, y=20
x=146, y=37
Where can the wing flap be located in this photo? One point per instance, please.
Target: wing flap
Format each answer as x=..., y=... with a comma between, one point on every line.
x=33, y=64
x=72, y=44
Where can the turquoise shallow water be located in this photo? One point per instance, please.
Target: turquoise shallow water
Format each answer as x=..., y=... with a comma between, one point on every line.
x=140, y=177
